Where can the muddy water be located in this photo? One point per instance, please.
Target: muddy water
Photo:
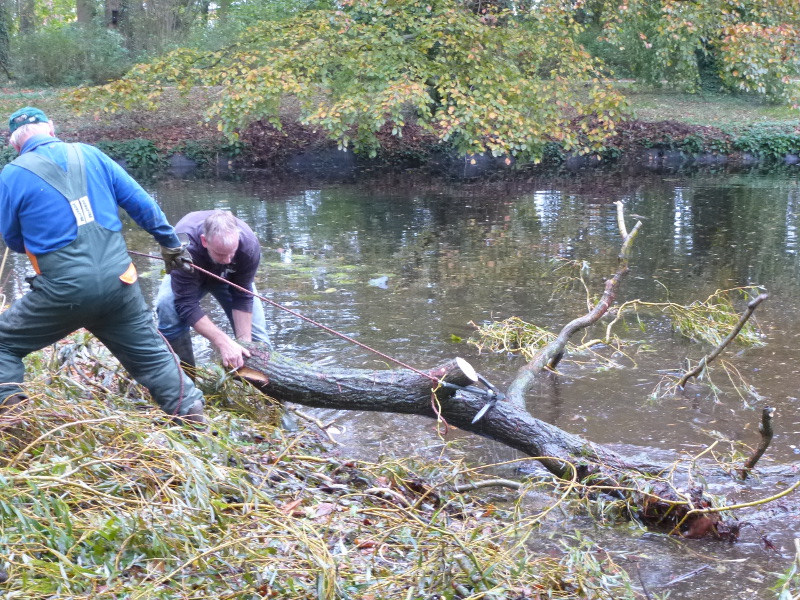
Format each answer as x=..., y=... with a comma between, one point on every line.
x=406, y=265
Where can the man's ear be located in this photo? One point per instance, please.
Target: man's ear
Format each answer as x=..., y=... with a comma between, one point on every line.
x=203, y=240
x=52, y=129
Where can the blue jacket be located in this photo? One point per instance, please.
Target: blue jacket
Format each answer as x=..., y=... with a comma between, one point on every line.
x=37, y=218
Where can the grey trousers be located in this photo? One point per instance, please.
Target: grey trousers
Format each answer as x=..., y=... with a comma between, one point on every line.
x=118, y=317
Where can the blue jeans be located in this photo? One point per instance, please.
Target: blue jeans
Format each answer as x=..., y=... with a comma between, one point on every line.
x=171, y=326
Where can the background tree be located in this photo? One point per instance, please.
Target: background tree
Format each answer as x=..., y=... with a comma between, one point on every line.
x=493, y=82
x=85, y=11
x=4, y=38
x=26, y=9
x=740, y=45
x=149, y=27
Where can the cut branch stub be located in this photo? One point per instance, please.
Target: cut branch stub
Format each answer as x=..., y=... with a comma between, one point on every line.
x=467, y=369
x=766, y=431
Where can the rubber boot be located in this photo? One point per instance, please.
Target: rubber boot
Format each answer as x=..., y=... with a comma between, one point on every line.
x=182, y=346
x=194, y=416
x=7, y=405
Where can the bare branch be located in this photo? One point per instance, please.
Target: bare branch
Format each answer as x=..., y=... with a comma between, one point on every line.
x=548, y=357
x=621, y=219
x=765, y=429
x=751, y=307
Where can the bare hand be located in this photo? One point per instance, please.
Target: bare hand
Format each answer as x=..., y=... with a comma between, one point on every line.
x=233, y=354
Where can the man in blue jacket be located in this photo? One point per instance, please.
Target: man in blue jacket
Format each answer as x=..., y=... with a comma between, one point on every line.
x=58, y=204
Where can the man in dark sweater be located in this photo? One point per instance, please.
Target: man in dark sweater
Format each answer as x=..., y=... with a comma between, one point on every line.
x=224, y=245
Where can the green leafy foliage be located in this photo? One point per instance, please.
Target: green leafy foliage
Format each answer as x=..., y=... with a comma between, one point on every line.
x=138, y=153
x=70, y=55
x=493, y=82
x=512, y=335
x=7, y=154
x=788, y=585
x=769, y=140
x=744, y=45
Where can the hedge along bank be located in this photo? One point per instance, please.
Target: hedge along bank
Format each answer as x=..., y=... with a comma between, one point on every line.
x=263, y=146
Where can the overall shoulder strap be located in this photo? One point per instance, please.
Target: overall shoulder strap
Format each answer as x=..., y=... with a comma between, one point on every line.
x=71, y=183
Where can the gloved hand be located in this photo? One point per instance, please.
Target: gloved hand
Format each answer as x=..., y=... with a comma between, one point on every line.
x=177, y=258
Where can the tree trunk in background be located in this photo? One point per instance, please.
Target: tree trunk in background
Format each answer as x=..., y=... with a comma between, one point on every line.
x=27, y=16
x=119, y=16
x=204, y=12
x=5, y=55
x=127, y=9
x=85, y=10
x=223, y=8
x=112, y=10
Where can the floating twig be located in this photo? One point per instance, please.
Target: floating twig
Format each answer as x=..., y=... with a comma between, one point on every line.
x=688, y=575
x=474, y=485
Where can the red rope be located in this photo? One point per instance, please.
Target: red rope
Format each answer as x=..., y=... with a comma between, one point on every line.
x=303, y=317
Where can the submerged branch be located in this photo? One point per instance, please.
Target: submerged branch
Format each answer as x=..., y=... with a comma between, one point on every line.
x=476, y=485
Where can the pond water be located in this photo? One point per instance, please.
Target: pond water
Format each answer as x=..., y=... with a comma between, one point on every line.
x=405, y=265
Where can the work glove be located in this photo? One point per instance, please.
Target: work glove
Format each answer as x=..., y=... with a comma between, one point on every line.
x=177, y=258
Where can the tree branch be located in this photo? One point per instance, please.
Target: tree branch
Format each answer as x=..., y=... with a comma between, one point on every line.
x=751, y=307
x=548, y=357
x=765, y=429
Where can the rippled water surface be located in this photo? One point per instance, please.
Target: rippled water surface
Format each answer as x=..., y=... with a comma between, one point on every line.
x=406, y=265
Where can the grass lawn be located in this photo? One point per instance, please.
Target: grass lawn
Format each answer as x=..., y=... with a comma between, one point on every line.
x=179, y=113
x=718, y=110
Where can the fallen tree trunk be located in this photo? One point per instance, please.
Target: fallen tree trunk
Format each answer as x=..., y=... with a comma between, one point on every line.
x=568, y=456
x=414, y=392
x=410, y=391
x=406, y=392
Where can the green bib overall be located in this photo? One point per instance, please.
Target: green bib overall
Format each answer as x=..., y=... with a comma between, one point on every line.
x=89, y=283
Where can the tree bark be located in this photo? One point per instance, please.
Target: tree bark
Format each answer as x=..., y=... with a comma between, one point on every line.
x=406, y=392
x=766, y=431
x=5, y=22
x=566, y=455
x=27, y=15
x=85, y=11
x=708, y=358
